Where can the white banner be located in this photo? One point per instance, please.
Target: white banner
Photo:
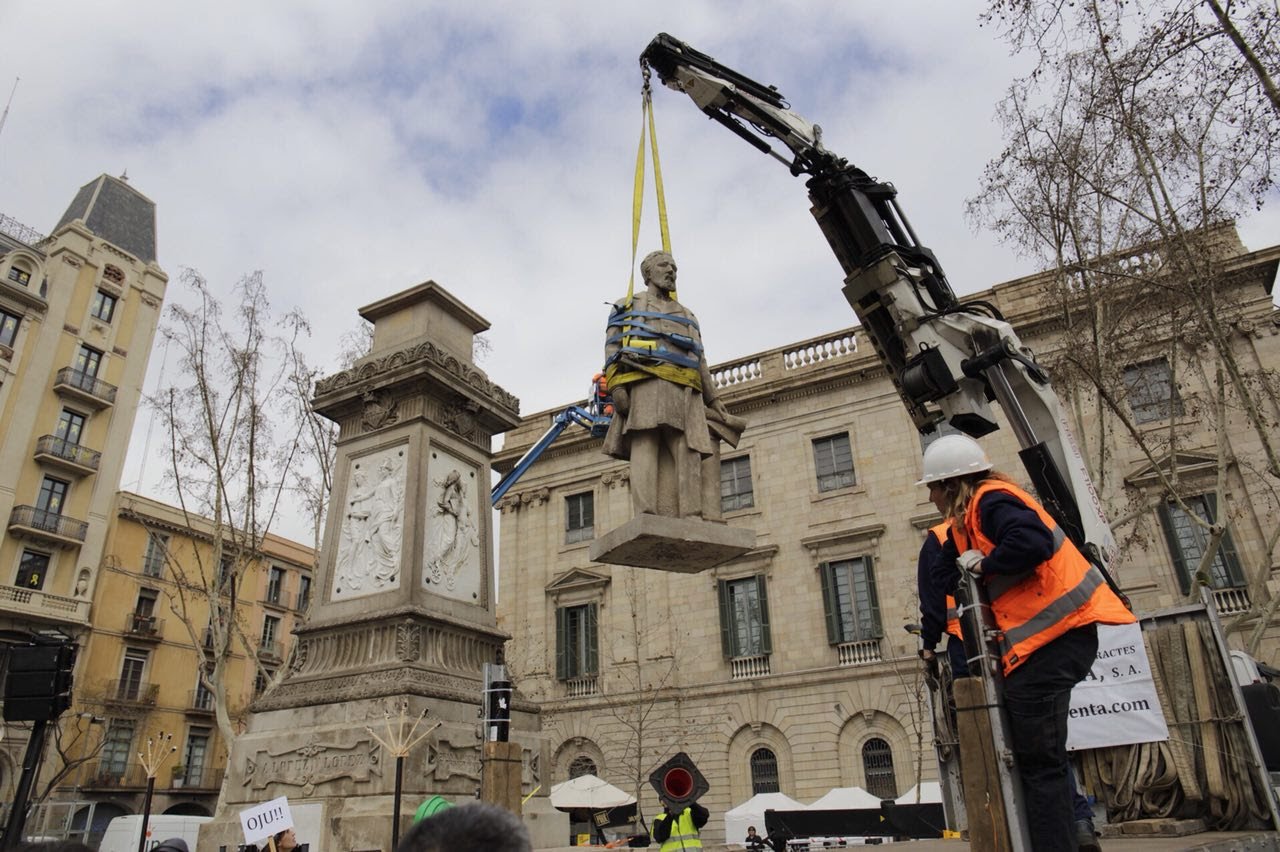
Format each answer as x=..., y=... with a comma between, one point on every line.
x=262, y=821
x=1117, y=703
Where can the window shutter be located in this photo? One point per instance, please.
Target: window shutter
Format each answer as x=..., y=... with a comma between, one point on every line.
x=593, y=651
x=562, y=645
x=831, y=611
x=726, y=620
x=766, y=641
x=873, y=599
x=1175, y=549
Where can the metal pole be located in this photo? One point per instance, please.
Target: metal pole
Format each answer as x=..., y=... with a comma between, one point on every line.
x=146, y=813
x=395, y=808
x=18, y=812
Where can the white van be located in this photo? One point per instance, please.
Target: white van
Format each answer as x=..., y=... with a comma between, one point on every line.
x=122, y=832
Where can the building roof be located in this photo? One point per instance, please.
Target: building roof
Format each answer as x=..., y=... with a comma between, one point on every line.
x=118, y=213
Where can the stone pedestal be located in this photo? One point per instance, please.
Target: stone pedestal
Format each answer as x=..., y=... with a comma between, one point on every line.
x=404, y=615
x=685, y=545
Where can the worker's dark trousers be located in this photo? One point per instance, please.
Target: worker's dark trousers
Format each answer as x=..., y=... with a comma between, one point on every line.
x=1037, y=697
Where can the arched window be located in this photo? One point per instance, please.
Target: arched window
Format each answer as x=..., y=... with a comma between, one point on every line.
x=581, y=765
x=877, y=766
x=764, y=771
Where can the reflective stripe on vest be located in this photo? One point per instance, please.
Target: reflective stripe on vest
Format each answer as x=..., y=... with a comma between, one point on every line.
x=1061, y=593
x=684, y=835
x=939, y=532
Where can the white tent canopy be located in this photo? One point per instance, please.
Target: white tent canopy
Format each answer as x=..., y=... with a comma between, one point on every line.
x=845, y=798
x=751, y=812
x=930, y=793
x=588, y=791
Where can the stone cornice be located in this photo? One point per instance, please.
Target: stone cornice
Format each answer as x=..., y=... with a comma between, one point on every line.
x=837, y=538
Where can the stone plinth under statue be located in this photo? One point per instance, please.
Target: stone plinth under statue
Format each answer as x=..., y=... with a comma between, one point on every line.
x=405, y=614
x=684, y=545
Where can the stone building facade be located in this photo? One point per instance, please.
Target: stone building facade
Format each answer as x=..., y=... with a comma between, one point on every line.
x=789, y=668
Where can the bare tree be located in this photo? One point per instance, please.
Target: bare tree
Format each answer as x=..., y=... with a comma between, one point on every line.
x=1140, y=133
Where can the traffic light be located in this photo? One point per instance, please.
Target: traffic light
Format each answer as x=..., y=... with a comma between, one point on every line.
x=37, y=686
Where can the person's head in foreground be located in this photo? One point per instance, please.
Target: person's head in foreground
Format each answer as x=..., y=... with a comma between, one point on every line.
x=477, y=826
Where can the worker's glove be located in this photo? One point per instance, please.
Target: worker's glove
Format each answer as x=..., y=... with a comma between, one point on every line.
x=971, y=561
x=932, y=674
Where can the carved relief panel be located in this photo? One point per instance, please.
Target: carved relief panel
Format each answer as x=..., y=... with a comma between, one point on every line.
x=452, y=555
x=372, y=531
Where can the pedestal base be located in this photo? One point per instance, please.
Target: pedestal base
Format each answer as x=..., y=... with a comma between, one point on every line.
x=684, y=545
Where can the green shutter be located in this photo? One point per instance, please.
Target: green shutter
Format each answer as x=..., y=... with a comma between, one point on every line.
x=873, y=599
x=831, y=611
x=593, y=651
x=562, y=645
x=1175, y=549
x=766, y=641
x=726, y=632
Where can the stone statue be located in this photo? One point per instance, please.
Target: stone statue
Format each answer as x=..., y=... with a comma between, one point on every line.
x=665, y=400
x=369, y=552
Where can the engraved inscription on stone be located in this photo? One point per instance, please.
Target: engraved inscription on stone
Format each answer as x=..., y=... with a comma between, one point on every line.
x=368, y=558
x=313, y=764
x=451, y=558
x=445, y=759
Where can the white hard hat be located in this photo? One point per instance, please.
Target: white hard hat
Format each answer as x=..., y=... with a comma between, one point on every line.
x=953, y=455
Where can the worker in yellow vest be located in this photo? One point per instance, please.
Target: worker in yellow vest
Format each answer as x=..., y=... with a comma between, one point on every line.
x=676, y=828
x=1047, y=600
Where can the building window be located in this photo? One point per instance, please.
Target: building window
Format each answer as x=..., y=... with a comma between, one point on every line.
x=9, y=328
x=577, y=654
x=144, y=611
x=1152, y=395
x=877, y=765
x=224, y=571
x=157, y=548
x=117, y=745
x=304, y=592
x=70, y=426
x=1188, y=541
x=261, y=681
x=275, y=582
x=764, y=771
x=833, y=462
x=195, y=755
x=579, y=517
x=582, y=765
x=270, y=630
x=18, y=275
x=88, y=362
x=203, y=698
x=104, y=306
x=32, y=569
x=744, y=617
x=135, y=664
x=53, y=492
x=849, y=599
x=735, y=484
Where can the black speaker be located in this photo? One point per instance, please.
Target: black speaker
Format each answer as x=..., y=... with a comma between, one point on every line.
x=679, y=782
x=38, y=683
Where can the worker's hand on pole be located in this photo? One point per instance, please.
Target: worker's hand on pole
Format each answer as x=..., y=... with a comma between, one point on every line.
x=932, y=675
x=971, y=561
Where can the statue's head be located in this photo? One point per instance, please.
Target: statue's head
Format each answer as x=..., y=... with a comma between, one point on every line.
x=659, y=268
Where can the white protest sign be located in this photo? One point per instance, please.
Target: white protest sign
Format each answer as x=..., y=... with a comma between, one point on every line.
x=262, y=821
x=1116, y=704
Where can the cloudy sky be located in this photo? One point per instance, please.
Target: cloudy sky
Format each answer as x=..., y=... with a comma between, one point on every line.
x=350, y=150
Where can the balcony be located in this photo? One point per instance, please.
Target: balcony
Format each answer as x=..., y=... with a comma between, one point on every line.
x=1231, y=601
x=128, y=693
x=144, y=627
x=859, y=653
x=745, y=668
x=581, y=687
x=200, y=702
x=49, y=527
x=206, y=780
x=113, y=776
x=88, y=389
x=61, y=453
x=276, y=599
x=33, y=602
x=271, y=651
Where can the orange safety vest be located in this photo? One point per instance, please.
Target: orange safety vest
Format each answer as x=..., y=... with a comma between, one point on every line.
x=939, y=531
x=1064, y=592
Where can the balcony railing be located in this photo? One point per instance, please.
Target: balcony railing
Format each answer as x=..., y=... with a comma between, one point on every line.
x=124, y=691
x=1231, y=601
x=744, y=668
x=50, y=526
x=276, y=599
x=108, y=775
x=85, y=387
x=200, y=701
x=859, y=653
x=35, y=602
x=271, y=651
x=206, y=779
x=580, y=687
x=60, y=451
x=141, y=626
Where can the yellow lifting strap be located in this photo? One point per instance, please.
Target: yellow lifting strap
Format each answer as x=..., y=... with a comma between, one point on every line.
x=637, y=196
